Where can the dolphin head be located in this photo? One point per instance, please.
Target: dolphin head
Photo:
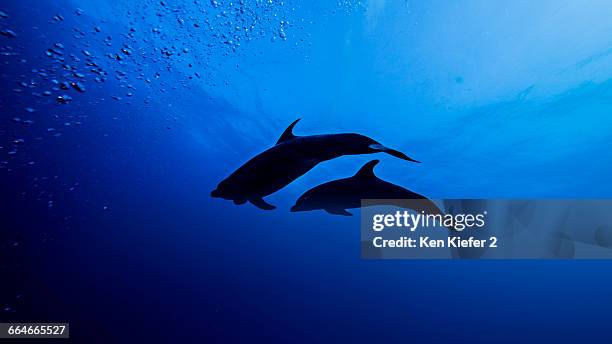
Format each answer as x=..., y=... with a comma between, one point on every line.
x=306, y=202
x=215, y=193
x=224, y=190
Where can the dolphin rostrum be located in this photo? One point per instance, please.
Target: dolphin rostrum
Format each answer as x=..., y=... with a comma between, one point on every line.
x=290, y=158
x=338, y=195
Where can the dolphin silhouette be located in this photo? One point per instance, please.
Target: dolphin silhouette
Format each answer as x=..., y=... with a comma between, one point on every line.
x=338, y=195
x=290, y=158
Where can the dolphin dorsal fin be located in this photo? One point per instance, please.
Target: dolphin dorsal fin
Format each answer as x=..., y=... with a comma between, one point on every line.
x=367, y=170
x=288, y=133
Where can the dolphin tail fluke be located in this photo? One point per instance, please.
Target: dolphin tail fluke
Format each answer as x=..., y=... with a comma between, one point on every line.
x=401, y=155
x=432, y=208
x=261, y=204
x=393, y=152
x=342, y=212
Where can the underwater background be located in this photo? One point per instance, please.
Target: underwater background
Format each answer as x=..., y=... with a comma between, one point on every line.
x=118, y=118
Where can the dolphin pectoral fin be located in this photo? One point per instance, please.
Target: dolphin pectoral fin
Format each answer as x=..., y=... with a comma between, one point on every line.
x=342, y=212
x=239, y=201
x=261, y=204
x=393, y=152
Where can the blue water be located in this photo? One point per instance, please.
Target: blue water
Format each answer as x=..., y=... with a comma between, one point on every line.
x=106, y=217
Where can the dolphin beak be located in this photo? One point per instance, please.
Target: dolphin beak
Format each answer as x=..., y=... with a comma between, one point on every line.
x=215, y=193
x=393, y=152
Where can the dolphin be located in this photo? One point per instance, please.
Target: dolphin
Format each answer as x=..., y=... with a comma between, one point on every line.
x=338, y=195
x=291, y=157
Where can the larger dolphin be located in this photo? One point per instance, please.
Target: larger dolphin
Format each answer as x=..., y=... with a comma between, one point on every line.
x=290, y=158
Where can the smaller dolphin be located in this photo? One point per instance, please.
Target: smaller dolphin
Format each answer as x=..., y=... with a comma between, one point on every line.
x=338, y=195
